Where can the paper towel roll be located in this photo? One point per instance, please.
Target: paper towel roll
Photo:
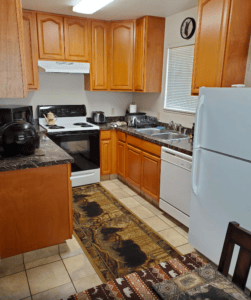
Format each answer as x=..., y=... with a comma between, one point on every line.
x=133, y=108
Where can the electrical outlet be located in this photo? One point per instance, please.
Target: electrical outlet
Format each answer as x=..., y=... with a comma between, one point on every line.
x=112, y=111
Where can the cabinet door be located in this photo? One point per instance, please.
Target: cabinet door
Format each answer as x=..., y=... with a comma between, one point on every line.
x=106, y=157
x=211, y=36
x=121, y=55
x=50, y=36
x=140, y=54
x=76, y=39
x=150, y=182
x=121, y=158
x=99, y=55
x=31, y=49
x=133, y=165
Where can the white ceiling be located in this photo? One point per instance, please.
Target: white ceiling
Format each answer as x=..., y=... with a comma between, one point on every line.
x=117, y=10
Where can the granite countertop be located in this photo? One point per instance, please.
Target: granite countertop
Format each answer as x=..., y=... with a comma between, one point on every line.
x=182, y=145
x=52, y=155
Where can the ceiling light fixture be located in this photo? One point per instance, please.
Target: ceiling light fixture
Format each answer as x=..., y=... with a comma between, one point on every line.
x=90, y=6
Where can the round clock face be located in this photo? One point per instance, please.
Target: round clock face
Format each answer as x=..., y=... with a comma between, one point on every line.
x=187, y=28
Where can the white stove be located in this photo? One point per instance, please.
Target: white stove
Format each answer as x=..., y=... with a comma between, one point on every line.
x=68, y=124
x=77, y=137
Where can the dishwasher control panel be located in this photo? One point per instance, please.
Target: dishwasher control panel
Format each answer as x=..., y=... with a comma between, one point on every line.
x=176, y=158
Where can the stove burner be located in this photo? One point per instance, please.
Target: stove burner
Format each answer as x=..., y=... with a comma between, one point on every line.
x=55, y=127
x=82, y=124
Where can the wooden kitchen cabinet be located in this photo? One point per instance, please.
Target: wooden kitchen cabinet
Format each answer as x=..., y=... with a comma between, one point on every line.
x=77, y=39
x=50, y=36
x=222, y=42
x=13, y=79
x=31, y=49
x=150, y=182
x=98, y=79
x=121, y=148
x=36, y=208
x=121, y=55
x=108, y=152
x=133, y=165
x=149, y=50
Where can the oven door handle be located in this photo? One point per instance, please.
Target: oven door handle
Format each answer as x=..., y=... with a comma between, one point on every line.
x=74, y=134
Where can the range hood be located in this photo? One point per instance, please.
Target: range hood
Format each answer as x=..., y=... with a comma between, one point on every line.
x=64, y=67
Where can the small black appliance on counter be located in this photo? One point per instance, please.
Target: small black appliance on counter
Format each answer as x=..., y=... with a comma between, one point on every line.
x=18, y=138
x=140, y=120
x=11, y=113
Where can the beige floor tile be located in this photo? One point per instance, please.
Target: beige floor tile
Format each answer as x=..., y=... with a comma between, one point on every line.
x=156, y=223
x=87, y=283
x=182, y=231
x=140, y=200
x=42, y=261
x=29, y=298
x=110, y=186
x=40, y=253
x=130, y=202
x=142, y=212
x=47, y=277
x=11, y=265
x=120, y=194
x=170, y=220
x=14, y=287
x=185, y=249
x=129, y=191
x=61, y=292
x=173, y=237
x=153, y=209
x=70, y=248
x=79, y=267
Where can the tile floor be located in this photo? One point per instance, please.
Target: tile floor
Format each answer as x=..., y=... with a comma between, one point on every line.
x=59, y=271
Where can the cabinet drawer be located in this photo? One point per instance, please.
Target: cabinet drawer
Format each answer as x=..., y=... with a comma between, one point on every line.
x=144, y=145
x=105, y=135
x=121, y=136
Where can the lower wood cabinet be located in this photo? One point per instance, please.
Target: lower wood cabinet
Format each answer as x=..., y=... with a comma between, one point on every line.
x=150, y=174
x=36, y=208
x=121, y=149
x=133, y=165
x=108, y=152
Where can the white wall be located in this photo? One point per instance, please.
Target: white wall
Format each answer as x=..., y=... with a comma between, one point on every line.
x=153, y=103
x=69, y=89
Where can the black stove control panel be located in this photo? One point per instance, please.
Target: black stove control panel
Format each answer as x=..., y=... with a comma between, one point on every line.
x=62, y=110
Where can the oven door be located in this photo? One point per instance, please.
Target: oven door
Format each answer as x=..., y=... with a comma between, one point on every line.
x=83, y=146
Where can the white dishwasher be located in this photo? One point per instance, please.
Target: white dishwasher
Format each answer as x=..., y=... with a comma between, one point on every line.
x=175, y=184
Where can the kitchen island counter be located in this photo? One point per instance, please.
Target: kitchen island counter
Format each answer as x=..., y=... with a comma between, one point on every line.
x=49, y=154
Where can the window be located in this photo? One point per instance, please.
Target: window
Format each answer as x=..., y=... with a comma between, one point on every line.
x=179, y=79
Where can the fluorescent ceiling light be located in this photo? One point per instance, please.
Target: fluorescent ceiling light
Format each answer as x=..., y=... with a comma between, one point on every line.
x=90, y=6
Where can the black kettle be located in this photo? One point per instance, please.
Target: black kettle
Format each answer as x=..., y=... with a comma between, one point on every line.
x=19, y=138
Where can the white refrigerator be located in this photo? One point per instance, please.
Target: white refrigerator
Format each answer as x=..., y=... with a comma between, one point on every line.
x=221, y=170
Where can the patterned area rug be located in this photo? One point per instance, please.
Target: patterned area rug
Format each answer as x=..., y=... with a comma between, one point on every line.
x=138, y=285
x=115, y=240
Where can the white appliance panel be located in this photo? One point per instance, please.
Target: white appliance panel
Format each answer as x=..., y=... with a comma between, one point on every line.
x=223, y=121
x=221, y=194
x=85, y=177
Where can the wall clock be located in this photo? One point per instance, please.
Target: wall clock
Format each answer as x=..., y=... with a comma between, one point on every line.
x=187, y=28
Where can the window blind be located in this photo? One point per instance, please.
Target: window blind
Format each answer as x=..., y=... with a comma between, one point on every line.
x=179, y=79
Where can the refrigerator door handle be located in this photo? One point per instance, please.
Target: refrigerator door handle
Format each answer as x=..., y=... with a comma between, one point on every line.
x=195, y=170
x=198, y=123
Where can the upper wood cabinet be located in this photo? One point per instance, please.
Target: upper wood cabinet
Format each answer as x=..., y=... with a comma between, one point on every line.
x=76, y=39
x=99, y=55
x=31, y=49
x=221, y=46
x=50, y=36
x=13, y=80
x=149, y=50
x=121, y=55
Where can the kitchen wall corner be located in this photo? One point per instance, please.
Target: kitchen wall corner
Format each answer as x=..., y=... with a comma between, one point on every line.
x=69, y=89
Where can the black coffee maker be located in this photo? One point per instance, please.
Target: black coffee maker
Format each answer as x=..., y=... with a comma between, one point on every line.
x=17, y=133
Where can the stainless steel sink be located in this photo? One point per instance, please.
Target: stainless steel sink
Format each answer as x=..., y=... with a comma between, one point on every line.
x=148, y=131
x=170, y=136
